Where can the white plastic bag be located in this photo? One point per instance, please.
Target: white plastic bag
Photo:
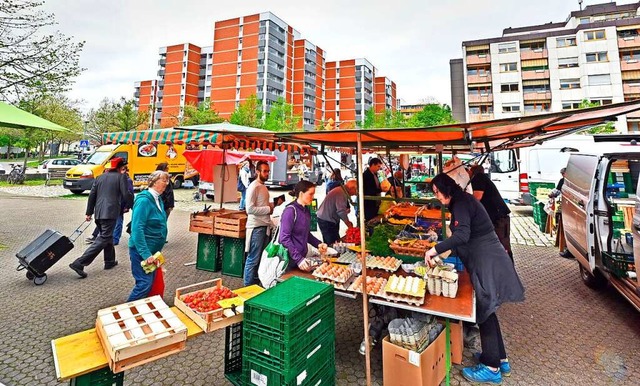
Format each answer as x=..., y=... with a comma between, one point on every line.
x=272, y=267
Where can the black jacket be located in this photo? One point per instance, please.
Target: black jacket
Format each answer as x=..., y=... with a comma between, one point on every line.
x=109, y=194
x=370, y=188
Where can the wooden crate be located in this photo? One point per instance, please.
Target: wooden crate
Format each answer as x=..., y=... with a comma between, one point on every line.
x=207, y=321
x=203, y=222
x=138, y=332
x=231, y=225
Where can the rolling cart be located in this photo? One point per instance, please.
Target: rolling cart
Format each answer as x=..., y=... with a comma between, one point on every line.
x=43, y=252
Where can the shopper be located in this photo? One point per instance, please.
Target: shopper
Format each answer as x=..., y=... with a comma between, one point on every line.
x=148, y=233
x=371, y=187
x=487, y=193
x=167, y=196
x=243, y=183
x=335, y=208
x=494, y=279
x=335, y=180
x=259, y=209
x=108, y=193
x=295, y=227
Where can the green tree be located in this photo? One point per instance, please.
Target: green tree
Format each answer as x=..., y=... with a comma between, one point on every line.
x=9, y=138
x=31, y=56
x=128, y=117
x=432, y=115
x=281, y=118
x=202, y=114
x=607, y=128
x=385, y=119
x=248, y=113
x=114, y=115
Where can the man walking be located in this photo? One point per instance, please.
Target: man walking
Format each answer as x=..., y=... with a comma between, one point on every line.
x=259, y=209
x=108, y=194
x=334, y=208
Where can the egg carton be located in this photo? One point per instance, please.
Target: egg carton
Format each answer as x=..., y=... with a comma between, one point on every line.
x=376, y=262
x=357, y=287
x=411, y=300
x=349, y=257
x=320, y=275
x=406, y=285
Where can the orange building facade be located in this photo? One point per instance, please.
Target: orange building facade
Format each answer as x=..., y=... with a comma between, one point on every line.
x=349, y=91
x=145, y=97
x=385, y=94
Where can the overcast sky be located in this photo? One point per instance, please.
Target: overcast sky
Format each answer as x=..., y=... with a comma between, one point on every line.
x=409, y=41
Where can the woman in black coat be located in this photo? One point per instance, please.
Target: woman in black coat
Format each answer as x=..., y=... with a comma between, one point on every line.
x=492, y=273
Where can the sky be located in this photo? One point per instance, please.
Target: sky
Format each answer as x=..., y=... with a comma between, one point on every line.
x=408, y=41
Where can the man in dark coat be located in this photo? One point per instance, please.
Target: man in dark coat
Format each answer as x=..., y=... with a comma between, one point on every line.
x=167, y=196
x=371, y=187
x=108, y=193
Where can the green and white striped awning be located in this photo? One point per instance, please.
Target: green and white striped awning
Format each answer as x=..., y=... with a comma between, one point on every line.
x=162, y=136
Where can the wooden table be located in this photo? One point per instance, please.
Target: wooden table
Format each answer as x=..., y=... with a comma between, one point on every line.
x=81, y=353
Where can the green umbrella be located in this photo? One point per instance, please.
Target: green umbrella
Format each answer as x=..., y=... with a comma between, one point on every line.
x=13, y=117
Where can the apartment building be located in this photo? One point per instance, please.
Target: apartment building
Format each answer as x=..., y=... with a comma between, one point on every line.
x=261, y=54
x=409, y=111
x=552, y=67
x=144, y=98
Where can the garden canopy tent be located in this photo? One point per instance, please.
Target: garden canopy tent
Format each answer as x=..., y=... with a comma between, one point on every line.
x=15, y=118
x=205, y=160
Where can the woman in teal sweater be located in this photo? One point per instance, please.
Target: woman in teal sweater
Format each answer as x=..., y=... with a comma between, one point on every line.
x=148, y=232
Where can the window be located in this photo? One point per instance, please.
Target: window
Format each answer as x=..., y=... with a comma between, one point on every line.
x=509, y=87
x=602, y=101
x=566, y=84
x=568, y=62
x=510, y=108
x=630, y=57
x=594, y=35
x=505, y=48
x=597, y=57
x=508, y=67
x=566, y=42
x=571, y=105
x=585, y=20
x=599, y=80
x=537, y=107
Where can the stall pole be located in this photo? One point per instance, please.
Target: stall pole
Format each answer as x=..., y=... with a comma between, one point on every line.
x=363, y=260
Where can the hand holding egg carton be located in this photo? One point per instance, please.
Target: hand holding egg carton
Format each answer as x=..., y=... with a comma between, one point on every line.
x=442, y=280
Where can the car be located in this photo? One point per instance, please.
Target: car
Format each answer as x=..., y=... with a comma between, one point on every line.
x=57, y=164
x=2, y=171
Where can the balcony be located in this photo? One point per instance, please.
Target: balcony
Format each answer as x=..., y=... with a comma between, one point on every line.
x=480, y=117
x=162, y=62
x=537, y=96
x=484, y=98
x=631, y=88
x=536, y=54
x=160, y=72
x=478, y=59
x=485, y=78
x=632, y=64
x=629, y=42
x=537, y=74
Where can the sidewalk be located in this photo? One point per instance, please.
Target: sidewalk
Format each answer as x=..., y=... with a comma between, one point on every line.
x=526, y=232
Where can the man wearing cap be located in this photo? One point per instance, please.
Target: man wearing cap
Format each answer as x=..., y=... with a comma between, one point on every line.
x=108, y=194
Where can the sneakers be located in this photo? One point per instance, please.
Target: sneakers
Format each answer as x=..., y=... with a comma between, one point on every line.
x=79, y=270
x=505, y=366
x=90, y=240
x=363, y=345
x=110, y=265
x=482, y=374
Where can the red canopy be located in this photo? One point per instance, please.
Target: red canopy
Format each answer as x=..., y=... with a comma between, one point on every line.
x=204, y=160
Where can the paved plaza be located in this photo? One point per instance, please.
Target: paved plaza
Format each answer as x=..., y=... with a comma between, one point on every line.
x=563, y=334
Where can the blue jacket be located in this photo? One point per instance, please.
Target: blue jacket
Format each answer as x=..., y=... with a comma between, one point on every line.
x=148, y=225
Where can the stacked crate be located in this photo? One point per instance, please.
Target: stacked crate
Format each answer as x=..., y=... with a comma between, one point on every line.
x=289, y=335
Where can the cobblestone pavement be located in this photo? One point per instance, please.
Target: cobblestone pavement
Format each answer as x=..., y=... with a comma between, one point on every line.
x=563, y=334
x=525, y=231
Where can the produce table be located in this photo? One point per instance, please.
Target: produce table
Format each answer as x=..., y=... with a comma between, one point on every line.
x=81, y=353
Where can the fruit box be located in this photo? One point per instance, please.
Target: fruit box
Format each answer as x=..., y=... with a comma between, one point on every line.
x=203, y=222
x=207, y=321
x=231, y=224
x=138, y=332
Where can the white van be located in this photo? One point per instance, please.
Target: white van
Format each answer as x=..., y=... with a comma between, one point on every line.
x=599, y=198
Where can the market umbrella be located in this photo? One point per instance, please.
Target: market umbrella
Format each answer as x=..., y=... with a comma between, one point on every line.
x=15, y=118
x=205, y=160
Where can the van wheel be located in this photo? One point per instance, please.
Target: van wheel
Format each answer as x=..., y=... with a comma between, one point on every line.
x=593, y=280
x=77, y=191
x=177, y=184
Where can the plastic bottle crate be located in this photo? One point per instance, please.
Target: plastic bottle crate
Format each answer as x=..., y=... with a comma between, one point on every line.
x=619, y=264
x=533, y=187
x=209, y=256
x=102, y=377
x=289, y=308
x=233, y=348
x=255, y=371
x=284, y=355
x=233, y=256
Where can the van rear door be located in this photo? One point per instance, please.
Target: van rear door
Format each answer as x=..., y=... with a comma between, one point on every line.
x=577, y=207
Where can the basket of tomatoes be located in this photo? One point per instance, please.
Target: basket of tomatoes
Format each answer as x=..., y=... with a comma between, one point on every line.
x=202, y=305
x=352, y=236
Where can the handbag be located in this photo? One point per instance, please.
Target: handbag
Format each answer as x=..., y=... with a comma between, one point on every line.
x=273, y=262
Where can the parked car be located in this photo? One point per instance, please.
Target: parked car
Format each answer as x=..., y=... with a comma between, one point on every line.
x=57, y=164
x=2, y=171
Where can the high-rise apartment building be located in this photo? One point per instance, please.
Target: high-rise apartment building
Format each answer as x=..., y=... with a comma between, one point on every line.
x=593, y=56
x=144, y=98
x=261, y=54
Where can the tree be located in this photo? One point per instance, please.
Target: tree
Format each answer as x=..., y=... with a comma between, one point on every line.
x=248, y=113
x=281, y=117
x=128, y=117
x=112, y=116
x=201, y=115
x=385, y=119
x=432, y=115
x=31, y=59
x=607, y=128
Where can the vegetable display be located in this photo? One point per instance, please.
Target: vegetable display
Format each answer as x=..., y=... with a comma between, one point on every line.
x=205, y=301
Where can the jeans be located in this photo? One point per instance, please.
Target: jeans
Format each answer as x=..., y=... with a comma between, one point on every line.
x=257, y=244
x=117, y=231
x=491, y=341
x=104, y=241
x=144, y=281
x=330, y=231
x=242, y=200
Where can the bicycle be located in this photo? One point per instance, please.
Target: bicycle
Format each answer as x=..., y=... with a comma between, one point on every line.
x=17, y=175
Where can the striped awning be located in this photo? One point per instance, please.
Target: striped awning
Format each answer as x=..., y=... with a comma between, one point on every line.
x=477, y=48
x=162, y=136
x=535, y=62
x=535, y=82
x=631, y=75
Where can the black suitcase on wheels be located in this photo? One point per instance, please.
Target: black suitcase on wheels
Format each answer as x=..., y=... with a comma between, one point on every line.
x=43, y=252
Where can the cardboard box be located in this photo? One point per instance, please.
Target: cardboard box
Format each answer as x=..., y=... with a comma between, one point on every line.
x=456, y=341
x=402, y=367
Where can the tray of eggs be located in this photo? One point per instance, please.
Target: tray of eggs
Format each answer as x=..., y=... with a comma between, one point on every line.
x=390, y=264
x=333, y=272
x=406, y=285
x=375, y=285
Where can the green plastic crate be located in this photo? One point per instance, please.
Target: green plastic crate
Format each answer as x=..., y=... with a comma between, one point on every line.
x=618, y=263
x=235, y=378
x=628, y=183
x=289, y=308
x=102, y=377
x=283, y=355
x=533, y=187
x=320, y=361
x=233, y=256
x=209, y=257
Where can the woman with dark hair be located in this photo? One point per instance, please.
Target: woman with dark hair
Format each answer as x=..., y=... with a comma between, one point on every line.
x=167, y=196
x=493, y=276
x=335, y=180
x=295, y=227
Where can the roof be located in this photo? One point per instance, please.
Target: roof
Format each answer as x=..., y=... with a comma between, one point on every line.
x=230, y=128
x=15, y=118
x=476, y=136
x=161, y=136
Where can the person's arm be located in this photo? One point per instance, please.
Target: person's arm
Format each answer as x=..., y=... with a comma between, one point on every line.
x=252, y=203
x=91, y=202
x=342, y=210
x=139, y=218
x=127, y=196
x=462, y=232
x=313, y=240
x=171, y=201
x=287, y=225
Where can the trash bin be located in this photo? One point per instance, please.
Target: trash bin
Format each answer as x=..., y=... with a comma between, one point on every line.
x=209, y=256
x=232, y=256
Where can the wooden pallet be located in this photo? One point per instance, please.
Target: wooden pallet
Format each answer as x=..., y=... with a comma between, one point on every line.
x=138, y=332
x=231, y=225
x=204, y=222
x=207, y=321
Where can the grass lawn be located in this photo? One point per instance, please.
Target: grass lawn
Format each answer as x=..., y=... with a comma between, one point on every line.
x=31, y=183
x=74, y=196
